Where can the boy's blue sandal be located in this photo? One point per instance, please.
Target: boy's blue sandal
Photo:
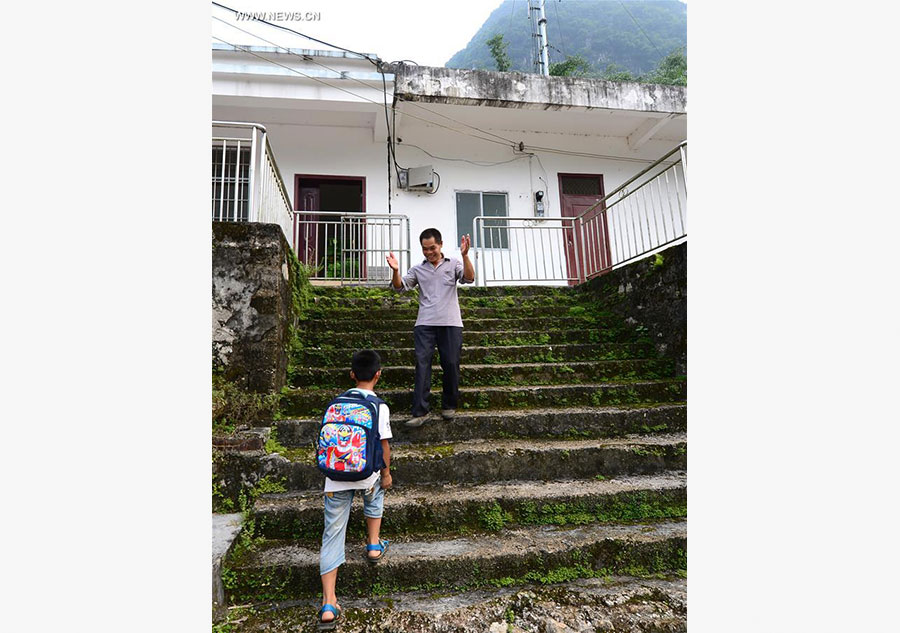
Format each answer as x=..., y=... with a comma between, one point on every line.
x=330, y=624
x=382, y=547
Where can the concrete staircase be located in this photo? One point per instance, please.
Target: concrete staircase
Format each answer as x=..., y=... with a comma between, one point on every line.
x=566, y=464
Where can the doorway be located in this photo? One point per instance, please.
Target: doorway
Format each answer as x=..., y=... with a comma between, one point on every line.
x=332, y=247
x=587, y=249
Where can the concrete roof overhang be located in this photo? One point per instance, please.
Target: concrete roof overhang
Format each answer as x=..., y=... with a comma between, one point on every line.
x=533, y=92
x=508, y=103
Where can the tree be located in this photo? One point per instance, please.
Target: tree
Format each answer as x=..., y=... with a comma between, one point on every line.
x=498, y=52
x=672, y=70
x=615, y=73
x=573, y=66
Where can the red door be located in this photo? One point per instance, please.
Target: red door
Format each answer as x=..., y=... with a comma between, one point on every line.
x=307, y=230
x=587, y=242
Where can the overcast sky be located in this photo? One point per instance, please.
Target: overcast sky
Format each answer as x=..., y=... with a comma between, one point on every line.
x=423, y=32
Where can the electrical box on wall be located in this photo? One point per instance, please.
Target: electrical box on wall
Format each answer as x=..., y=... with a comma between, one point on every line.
x=538, y=204
x=417, y=179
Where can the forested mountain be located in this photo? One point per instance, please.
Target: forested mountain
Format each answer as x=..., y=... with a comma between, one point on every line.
x=633, y=35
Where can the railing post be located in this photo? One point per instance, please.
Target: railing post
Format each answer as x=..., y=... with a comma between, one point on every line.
x=253, y=178
x=579, y=245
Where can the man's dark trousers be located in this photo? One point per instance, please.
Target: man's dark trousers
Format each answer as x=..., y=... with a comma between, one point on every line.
x=448, y=340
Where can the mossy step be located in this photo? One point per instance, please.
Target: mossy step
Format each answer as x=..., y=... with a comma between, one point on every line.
x=284, y=571
x=303, y=402
x=410, y=311
x=537, y=336
x=654, y=604
x=508, y=374
x=447, y=509
x=485, y=461
x=572, y=423
x=483, y=354
x=468, y=290
x=372, y=324
x=411, y=300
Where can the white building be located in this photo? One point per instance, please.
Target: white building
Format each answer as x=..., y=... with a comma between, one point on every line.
x=539, y=151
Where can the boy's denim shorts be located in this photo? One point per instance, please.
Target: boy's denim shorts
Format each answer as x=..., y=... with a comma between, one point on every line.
x=337, y=514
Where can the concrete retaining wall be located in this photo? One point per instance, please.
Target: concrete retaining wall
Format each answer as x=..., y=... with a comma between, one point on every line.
x=651, y=293
x=251, y=304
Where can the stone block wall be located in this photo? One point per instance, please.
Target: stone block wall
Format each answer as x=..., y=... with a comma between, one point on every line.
x=651, y=293
x=252, y=279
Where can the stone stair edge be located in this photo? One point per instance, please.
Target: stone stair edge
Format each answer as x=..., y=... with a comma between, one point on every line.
x=516, y=388
x=412, y=493
x=499, y=366
x=522, y=542
x=523, y=413
x=482, y=445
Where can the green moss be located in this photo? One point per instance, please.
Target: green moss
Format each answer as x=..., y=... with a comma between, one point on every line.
x=493, y=518
x=300, y=455
x=268, y=485
x=647, y=451
x=273, y=445
x=439, y=451
x=220, y=501
x=233, y=407
x=625, y=507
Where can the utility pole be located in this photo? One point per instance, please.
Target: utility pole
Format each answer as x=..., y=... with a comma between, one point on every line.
x=540, y=46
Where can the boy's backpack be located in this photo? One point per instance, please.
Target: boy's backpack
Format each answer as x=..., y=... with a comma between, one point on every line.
x=349, y=445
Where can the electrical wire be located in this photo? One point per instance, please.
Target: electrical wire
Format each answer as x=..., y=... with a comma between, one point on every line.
x=431, y=193
x=390, y=149
x=384, y=91
x=463, y=160
x=586, y=154
x=559, y=30
x=307, y=58
x=284, y=28
x=358, y=96
x=641, y=29
x=522, y=146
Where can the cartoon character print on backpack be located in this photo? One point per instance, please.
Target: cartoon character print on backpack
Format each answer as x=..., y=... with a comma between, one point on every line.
x=344, y=448
x=349, y=448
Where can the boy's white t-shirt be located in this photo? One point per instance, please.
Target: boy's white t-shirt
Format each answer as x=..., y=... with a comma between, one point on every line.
x=384, y=430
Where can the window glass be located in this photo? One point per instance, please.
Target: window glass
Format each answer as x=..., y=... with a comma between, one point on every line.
x=495, y=204
x=580, y=185
x=472, y=204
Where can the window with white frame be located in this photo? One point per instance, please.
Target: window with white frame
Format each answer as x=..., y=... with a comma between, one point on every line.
x=470, y=204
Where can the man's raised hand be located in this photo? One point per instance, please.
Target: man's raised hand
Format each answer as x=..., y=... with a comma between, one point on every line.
x=464, y=245
x=392, y=262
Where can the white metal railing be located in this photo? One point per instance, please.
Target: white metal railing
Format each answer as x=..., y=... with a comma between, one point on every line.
x=246, y=183
x=525, y=250
x=645, y=214
x=351, y=247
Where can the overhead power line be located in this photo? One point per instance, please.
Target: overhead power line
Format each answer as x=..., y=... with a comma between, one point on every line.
x=284, y=28
x=559, y=30
x=309, y=59
x=358, y=96
x=641, y=29
x=515, y=146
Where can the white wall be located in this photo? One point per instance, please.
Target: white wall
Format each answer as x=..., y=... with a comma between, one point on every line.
x=519, y=179
x=347, y=151
x=330, y=133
